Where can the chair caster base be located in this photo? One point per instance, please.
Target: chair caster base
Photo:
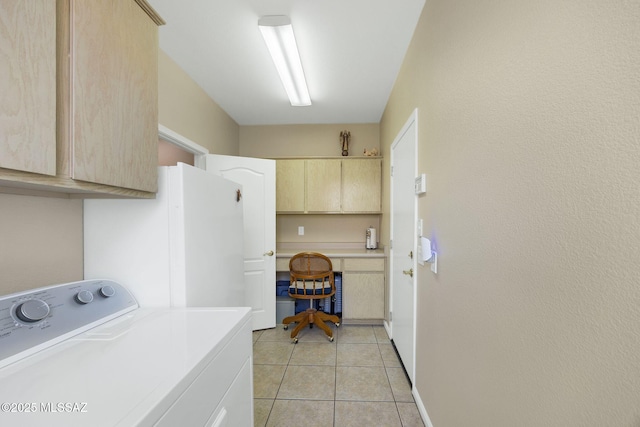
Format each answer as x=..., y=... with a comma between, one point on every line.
x=331, y=339
x=285, y=327
x=295, y=340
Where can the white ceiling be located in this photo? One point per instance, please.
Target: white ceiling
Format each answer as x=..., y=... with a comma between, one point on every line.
x=351, y=51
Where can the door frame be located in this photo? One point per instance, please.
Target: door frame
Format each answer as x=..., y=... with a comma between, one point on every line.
x=199, y=152
x=413, y=119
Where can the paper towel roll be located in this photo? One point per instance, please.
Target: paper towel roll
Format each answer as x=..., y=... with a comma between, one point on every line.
x=372, y=238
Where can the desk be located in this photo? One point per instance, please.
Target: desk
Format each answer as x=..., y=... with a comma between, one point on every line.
x=363, y=279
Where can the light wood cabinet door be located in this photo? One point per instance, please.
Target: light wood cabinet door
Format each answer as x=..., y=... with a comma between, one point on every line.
x=364, y=264
x=99, y=88
x=282, y=264
x=361, y=185
x=328, y=185
x=28, y=86
x=323, y=185
x=290, y=185
x=113, y=94
x=363, y=295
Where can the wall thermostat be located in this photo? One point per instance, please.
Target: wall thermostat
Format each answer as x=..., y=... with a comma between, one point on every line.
x=421, y=184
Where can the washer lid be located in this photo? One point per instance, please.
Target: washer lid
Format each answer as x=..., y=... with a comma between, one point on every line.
x=119, y=373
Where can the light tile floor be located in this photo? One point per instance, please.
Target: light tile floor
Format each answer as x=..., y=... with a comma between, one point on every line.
x=356, y=380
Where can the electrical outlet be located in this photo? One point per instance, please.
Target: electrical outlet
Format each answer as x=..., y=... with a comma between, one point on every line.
x=301, y=231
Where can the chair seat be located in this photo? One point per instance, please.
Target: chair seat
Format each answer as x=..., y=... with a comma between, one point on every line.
x=311, y=277
x=320, y=291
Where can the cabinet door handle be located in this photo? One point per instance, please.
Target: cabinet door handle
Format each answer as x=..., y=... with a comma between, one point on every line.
x=408, y=272
x=270, y=253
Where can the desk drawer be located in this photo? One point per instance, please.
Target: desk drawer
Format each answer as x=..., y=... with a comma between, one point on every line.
x=363, y=264
x=282, y=264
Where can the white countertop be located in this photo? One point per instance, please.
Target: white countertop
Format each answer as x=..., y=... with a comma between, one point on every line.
x=331, y=251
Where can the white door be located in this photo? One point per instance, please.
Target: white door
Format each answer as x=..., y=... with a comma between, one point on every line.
x=403, y=236
x=258, y=180
x=207, y=218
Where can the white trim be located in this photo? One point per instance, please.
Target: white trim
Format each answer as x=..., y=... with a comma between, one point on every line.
x=412, y=120
x=421, y=409
x=198, y=151
x=387, y=327
x=179, y=140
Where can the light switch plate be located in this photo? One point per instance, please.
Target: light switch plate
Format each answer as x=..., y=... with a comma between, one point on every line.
x=301, y=231
x=420, y=186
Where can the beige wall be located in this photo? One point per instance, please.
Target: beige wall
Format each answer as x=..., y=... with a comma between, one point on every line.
x=529, y=127
x=325, y=228
x=170, y=154
x=41, y=242
x=187, y=110
x=307, y=140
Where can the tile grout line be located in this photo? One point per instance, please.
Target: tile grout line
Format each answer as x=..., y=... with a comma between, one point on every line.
x=395, y=402
x=336, y=343
x=335, y=383
x=281, y=382
x=335, y=379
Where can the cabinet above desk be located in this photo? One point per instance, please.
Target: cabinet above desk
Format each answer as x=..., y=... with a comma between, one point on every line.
x=329, y=185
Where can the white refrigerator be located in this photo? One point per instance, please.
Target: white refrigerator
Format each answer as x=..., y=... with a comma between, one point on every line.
x=183, y=248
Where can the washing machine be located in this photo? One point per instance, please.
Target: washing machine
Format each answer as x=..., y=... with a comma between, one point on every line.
x=84, y=354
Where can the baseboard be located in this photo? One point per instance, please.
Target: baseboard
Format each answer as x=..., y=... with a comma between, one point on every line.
x=414, y=391
x=387, y=327
x=421, y=409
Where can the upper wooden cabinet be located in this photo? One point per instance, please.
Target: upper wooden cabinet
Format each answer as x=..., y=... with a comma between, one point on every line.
x=329, y=185
x=323, y=185
x=106, y=104
x=290, y=185
x=113, y=94
x=361, y=185
x=28, y=86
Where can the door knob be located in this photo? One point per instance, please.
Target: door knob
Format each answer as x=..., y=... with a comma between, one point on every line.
x=270, y=253
x=408, y=272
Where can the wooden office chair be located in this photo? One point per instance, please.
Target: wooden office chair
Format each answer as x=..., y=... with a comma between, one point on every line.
x=311, y=277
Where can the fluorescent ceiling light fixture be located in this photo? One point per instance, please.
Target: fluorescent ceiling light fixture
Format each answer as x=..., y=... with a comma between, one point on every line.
x=278, y=34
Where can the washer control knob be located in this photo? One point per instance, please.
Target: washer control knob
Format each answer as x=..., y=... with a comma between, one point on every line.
x=33, y=310
x=84, y=297
x=107, y=291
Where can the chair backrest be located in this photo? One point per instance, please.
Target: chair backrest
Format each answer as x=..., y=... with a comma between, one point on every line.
x=311, y=276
